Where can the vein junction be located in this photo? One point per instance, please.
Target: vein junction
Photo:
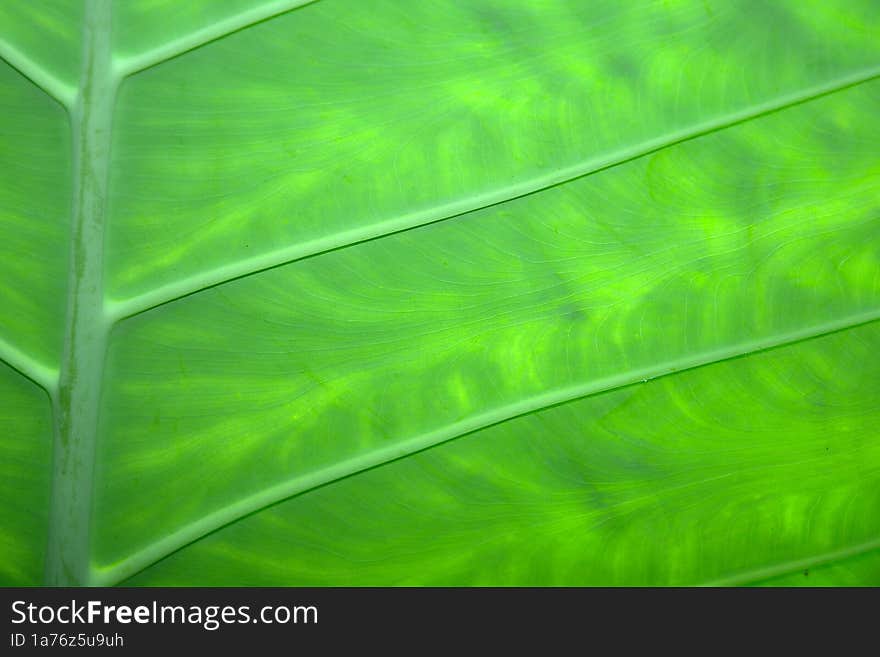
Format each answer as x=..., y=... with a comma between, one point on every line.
x=76, y=403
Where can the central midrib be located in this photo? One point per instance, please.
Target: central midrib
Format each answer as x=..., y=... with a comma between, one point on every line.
x=68, y=560
x=77, y=393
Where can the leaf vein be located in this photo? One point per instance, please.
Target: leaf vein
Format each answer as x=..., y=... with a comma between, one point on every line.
x=121, y=309
x=43, y=375
x=787, y=567
x=301, y=484
x=127, y=66
x=54, y=87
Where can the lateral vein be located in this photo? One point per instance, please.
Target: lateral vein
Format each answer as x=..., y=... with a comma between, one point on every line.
x=120, y=309
x=131, y=65
x=43, y=375
x=57, y=89
x=795, y=565
x=298, y=485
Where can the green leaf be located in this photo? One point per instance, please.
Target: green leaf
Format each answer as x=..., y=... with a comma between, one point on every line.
x=440, y=292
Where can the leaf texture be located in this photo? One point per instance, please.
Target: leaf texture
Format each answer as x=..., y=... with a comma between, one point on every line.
x=471, y=293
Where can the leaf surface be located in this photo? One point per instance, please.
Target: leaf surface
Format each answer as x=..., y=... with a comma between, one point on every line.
x=443, y=293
